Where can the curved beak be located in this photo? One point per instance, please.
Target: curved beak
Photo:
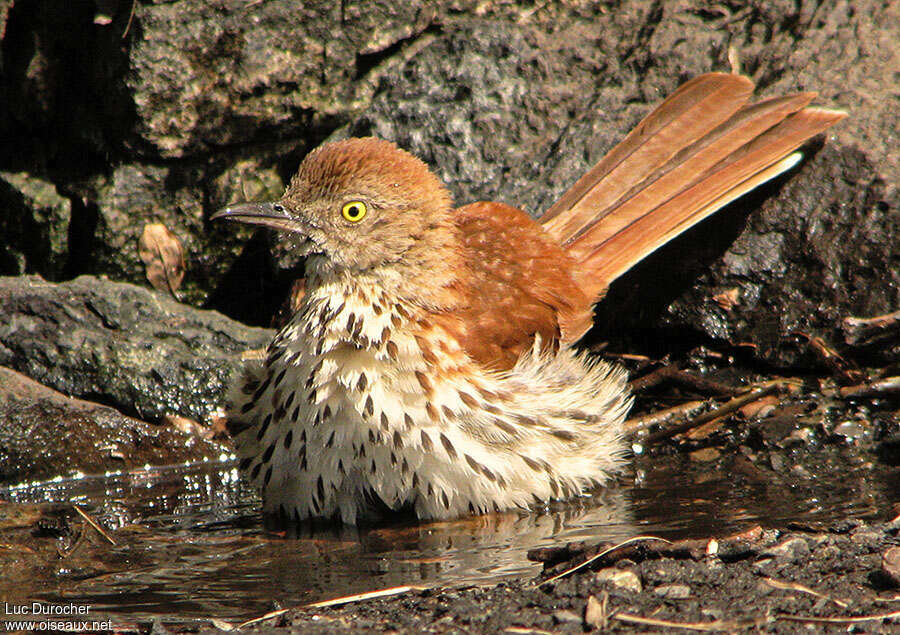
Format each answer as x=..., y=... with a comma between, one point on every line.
x=272, y=215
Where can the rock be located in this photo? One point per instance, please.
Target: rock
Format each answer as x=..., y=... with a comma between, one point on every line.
x=34, y=226
x=890, y=565
x=127, y=346
x=621, y=578
x=673, y=591
x=794, y=548
x=44, y=434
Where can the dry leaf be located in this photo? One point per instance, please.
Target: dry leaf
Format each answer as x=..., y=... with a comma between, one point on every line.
x=163, y=256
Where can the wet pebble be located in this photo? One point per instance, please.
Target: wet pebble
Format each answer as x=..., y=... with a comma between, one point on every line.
x=890, y=565
x=622, y=579
x=792, y=548
x=673, y=591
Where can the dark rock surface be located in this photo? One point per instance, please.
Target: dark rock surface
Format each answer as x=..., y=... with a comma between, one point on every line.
x=44, y=434
x=122, y=345
x=168, y=113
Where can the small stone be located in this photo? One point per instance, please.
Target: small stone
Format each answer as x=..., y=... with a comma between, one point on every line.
x=563, y=616
x=705, y=455
x=792, y=548
x=890, y=565
x=673, y=591
x=623, y=579
x=595, y=613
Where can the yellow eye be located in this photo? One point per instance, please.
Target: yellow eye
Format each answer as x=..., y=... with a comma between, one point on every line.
x=354, y=211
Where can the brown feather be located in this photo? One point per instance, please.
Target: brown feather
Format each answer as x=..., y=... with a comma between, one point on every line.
x=520, y=285
x=700, y=149
x=687, y=115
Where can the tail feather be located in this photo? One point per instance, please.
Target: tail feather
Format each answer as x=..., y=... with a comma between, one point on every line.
x=638, y=198
x=687, y=115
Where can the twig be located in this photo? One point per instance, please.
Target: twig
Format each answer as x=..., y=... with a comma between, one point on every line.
x=347, y=599
x=862, y=330
x=844, y=371
x=598, y=556
x=879, y=388
x=727, y=408
x=837, y=620
x=369, y=595
x=90, y=521
x=673, y=373
x=638, y=424
x=793, y=586
x=717, y=625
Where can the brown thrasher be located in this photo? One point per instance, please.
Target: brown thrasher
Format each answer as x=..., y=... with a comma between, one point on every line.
x=430, y=365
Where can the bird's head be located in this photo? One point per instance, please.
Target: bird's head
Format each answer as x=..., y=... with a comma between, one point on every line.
x=357, y=205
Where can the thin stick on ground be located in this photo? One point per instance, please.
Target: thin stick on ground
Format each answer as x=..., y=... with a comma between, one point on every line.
x=879, y=388
x=717, y=625
x=600, y=555
x=793, y=586
x=727, y=408
x=90, y=521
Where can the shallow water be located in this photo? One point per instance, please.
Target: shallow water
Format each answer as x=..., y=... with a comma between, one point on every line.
x=192, y=544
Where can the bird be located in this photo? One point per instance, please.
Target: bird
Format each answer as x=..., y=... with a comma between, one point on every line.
x=431, y=367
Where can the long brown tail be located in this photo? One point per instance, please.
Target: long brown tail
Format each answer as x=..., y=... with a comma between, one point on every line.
x=702, y=148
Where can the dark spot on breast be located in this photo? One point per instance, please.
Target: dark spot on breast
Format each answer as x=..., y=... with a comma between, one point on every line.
x=445, y=500
x=405, y=467
x=290, y=400
x=424, y=382
x=250, y=387
x=415, y=480
x=361, y=453
x=267, y=455
x=392, y=350
x=508, y=428
x=371, y=436
x=369, y=408
x=426, y=442
x=288, y=438
x=295, y=414
x=385, y=334
x=430, y=490
x=488, y=474
x=320, y=488
x=407, y=421
x=351, y=319
x=531, y=463
x=385, y=425
x=432, y=412
x=398, y=440
x=554, y=487
x=374, y=469
x=255, y=471
x=393, y=459
x=268, y=476
x=475, y=465
x=262, y=388
x=448, y=412
x=341, y=467
x=280, y=376
x=247, y=407
x=311, y=397
x=265, y=426
x=315, y=504
x=451, y=451
x=378, y=309
x=526, y=421
x=326, y=413
x=564, y=435
x=396, y=321
x=468, y=399
x=245, y=463
x=330, y=440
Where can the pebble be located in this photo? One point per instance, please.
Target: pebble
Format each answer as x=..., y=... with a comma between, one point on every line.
x=890, y=565
x=673, y=591
x=622, y=579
